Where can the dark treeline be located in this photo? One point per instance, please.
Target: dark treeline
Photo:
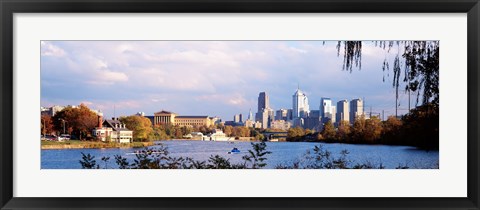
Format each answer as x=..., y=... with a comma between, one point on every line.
x=160, y=159
x=419, y=128
x=317, y=158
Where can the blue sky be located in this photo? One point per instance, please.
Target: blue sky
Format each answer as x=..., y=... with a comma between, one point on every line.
x=215, y=78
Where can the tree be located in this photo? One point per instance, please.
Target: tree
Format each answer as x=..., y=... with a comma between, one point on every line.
x=328, y=131
x=186, y=130
x=256, y=156
x=420, y=60
x=141, y=127
x=228, y=130
x=421, y=127
x=392, y=130
x=80, y=120
x=88, y=162
x=343, y=131
x=373, y=130
x=358, y=129
x=295, y=134
x=260, y=137
x=47, y=124
x=159, y=133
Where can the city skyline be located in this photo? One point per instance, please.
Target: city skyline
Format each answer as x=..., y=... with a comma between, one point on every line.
x=225, y=80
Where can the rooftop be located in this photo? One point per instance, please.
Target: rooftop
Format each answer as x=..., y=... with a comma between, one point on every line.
x=191, y=117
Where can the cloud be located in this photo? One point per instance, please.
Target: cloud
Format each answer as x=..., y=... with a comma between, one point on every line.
x=48, y=49
x=107, y=78
x=205, y=77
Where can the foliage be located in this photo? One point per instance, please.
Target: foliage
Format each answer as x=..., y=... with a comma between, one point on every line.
x=260, y=137
x=295, y=134
x=343, y=131
x=47, y=126
x=358, y=129
x=105, y=161
x=418, y=128
x=421, y=127
x=241, y=131
x=141, y=127
x=392, y=130
x=373, y=130
x=328, y=131
x=324, y=159
x=228, y=130
x=256, y=156
x=159, y=158
x=88, y=162
x=420, y=69
x=79, y=121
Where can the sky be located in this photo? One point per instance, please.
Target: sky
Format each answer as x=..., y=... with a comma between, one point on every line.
x=214, y=78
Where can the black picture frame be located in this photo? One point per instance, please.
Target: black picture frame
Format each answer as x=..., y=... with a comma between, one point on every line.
x=10, y=7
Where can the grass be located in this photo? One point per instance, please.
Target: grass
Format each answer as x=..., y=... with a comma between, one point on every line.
x=93, y=144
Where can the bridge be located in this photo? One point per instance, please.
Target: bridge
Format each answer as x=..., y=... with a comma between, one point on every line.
x=274, y=135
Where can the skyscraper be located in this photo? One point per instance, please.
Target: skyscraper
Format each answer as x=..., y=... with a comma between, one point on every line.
x=356, y=109
x=250, y=115
x=327, y=111
x=343, y=111
x=263, y=101
x=300, y=104
x=281, y=114
x=236, y=118
x=265, y=113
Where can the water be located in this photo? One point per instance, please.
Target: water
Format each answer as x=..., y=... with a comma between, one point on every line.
x=282, y=153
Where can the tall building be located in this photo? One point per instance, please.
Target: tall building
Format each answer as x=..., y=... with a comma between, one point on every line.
x=263, y=104
x=343, y=111
x=250, y=115
x=313, y=120
x=265, y=117
x=356, y=109
x=236, y=118
x=263, y=101
x=281, y=114
x=289, y=114
x=327, y=110
x=300, y=104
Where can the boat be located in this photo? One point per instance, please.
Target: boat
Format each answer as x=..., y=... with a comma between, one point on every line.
x=234, y=151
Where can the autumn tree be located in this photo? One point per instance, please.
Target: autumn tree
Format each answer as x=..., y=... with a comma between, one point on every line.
x=415, y=69
x=328, y=131
x=358, y=129
x=373, y=130
x=392, y=130
x=47, y=126
x=343, y=131
x=228, y=130
x=79, y=120
x=295, y=134
x=186, y=130
x=159, y=133
x=141, y=127
x=241, y=131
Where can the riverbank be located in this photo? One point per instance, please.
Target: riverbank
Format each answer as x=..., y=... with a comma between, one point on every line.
x=77, y=144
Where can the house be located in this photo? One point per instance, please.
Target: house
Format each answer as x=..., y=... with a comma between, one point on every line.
x=112, y=131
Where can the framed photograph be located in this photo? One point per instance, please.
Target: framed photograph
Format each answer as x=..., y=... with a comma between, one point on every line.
x=239, y=105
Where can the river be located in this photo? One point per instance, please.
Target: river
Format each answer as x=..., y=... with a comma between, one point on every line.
x=283, y=153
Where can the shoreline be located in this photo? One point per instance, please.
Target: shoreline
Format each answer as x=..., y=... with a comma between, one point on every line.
x=92, y=145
